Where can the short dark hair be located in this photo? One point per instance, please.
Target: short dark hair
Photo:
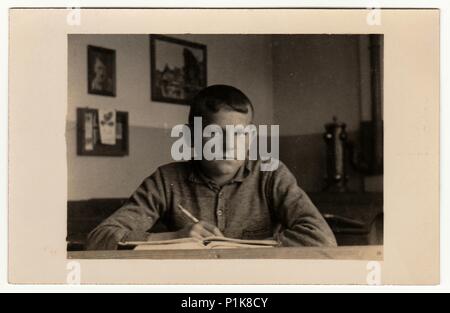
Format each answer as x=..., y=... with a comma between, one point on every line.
x=215, y=98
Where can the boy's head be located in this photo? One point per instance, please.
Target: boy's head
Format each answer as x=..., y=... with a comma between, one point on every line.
x=216, y=98
x=221, y=105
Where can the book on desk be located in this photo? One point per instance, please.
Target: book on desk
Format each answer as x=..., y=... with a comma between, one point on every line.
x=195, y=244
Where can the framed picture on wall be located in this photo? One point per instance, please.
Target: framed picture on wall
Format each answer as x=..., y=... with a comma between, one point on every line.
x=101, y=71
x=178, y=69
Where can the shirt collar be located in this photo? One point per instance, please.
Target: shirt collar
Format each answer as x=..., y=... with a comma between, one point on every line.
x=196, y=176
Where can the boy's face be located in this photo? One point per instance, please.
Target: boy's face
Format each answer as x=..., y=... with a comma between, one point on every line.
x=223, y=118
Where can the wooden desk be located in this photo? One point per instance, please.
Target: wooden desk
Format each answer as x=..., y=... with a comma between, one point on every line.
x=372, y=253
x=83, y=216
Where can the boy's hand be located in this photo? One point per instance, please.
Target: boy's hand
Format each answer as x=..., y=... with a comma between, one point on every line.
x=200, y=231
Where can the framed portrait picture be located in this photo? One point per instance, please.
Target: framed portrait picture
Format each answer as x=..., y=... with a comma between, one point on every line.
x=178, y=69
x=101, y=71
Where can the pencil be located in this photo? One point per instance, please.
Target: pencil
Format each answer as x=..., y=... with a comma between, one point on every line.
x=188, y=214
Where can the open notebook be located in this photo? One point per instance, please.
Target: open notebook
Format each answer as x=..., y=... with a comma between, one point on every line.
x=207, y=243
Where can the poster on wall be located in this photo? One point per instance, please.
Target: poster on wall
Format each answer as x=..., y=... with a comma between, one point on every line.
x=178, y=69
x=101, y=71
x=102, y=132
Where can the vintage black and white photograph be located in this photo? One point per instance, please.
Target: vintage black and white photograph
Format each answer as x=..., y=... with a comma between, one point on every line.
x=224, y=148
x=101, y=71
x=310, y=171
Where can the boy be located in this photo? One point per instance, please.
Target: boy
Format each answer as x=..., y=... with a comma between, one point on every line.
x=231, y=198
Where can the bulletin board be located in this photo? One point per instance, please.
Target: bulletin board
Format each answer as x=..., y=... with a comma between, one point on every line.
x=88, y=134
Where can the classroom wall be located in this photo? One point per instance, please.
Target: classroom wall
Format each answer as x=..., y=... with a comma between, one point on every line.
x=299, y=84
x=317, y=77
x=244, y=62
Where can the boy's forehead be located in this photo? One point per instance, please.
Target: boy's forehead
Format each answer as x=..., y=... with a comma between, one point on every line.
x=227, y=117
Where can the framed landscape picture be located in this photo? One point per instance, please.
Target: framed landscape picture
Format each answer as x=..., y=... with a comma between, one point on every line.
x=101, y=71
x=178, y=69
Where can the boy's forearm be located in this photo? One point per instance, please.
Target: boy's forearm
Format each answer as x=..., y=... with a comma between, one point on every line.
x=307, y=236
x=162, y=236
x=105, y=238
x=146, y=236
x=305, y=226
